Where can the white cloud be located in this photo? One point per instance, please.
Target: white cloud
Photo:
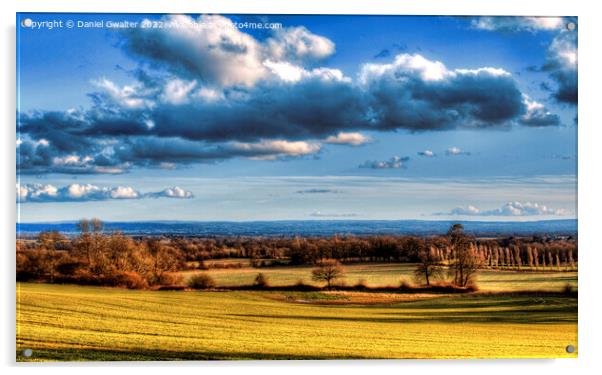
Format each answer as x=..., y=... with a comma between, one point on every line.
x=518, y=23
x=173, y=192
x=453, y=151
x=291, y=73
x=427, y=69
x=508, y=209
x=176, y=91
x=132, y=97
x=299, y=44
x=124, y=192
x=351, y=138
x=427, y=153
x=36, y=192
x=536, y=114
x=395, y=162
x=272, y=149
x=211, y=48
x=286, y=71
x=89, y=192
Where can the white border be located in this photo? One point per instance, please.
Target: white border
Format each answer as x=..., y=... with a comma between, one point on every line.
x=589, y=176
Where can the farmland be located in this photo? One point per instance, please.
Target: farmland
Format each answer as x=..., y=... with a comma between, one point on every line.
x=390, y=274
x=66, y=322
x=106, y=296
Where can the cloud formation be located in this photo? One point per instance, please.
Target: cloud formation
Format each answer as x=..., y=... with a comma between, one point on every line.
x=89, y=192
x=561, y=60
x=508, y=209
x=537, y=115
x=172, y=192
x=353, y=139
x=415, y=93
x=454, y=151
x=207, y=92
x=427, y=153
x=561, y=64
x=513, y=24
x=395, y=162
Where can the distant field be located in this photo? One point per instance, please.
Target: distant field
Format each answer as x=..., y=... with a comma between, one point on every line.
x=62, y=322
x=390, y=274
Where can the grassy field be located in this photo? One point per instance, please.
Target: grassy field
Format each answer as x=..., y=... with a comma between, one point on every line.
x=64, y=322
x=391, y=273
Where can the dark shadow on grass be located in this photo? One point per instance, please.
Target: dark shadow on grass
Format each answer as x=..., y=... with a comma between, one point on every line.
x=75, y=355
x=483, y=301
x=520, y=317
x=474, y=309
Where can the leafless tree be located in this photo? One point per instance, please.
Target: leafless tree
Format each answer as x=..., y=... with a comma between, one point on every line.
x=429, y=265
x=327, y=270
x=465, y=262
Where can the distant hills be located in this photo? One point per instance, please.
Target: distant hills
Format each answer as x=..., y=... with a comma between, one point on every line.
x=318, y=228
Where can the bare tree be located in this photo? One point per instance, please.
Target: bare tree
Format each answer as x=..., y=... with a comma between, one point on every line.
x=327, y=270
x=90, y=243
x=429, y=265
x=163, y=259
x=465, y=262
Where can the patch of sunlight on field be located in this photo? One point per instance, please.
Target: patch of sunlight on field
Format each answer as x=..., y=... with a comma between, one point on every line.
x=382, y=274
x=64, y=322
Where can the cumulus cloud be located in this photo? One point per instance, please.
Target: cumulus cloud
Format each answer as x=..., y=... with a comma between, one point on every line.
x=508, y=209
x=89, y=192
x=537, y=114
x=172, y=192
x=352, y=138
x=270, y=150
x=453, y=151
x=207, y=92
x=212, y=49
x=561, y=64
x=561, y=60
x=209, y=48
x=427, y=153
x=395, y=162
x=415, y=93
x=300, y=45
x=502, y=23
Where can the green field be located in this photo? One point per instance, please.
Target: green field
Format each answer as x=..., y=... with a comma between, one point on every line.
x=64, y=322
x=390, y=274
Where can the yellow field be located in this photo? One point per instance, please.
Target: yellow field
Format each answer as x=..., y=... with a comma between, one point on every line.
x=61, y=322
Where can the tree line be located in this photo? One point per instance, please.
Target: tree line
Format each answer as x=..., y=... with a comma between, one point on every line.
x=95, y=256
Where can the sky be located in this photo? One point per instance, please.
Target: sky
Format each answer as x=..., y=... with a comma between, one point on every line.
x=274, y=117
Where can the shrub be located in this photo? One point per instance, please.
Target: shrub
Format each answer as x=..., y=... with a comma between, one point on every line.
x=261, y=281
x=405, y=285
x=361, y=285
x=171, y=279
x=567, y=289
x=201, y=281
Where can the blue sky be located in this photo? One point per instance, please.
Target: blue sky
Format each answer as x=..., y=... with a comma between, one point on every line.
x=324, y=117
